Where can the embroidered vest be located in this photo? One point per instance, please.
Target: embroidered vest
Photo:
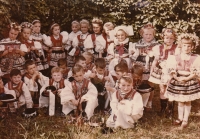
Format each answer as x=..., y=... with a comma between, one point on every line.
x=57, y=42
x=84, y=88
x=164, y=54
x=61, y=83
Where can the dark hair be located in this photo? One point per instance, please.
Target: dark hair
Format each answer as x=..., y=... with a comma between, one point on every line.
x=62, y=61
x=77, y=59
x=137, y=69
x=52, y=27
x=122, y=67
x=28, y=63
x=15, y=72
x=100, y=63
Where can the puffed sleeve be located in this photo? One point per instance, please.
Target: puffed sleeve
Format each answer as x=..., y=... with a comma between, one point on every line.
x=136, y=52
x=2, y=47
x=195, y=67
x=23, y=48
x=47, y=40
x=171, y=64
x=156, y=51
x=88, y=44
x=100, y=44
x=75, y=42
x=65, y=37
x=137, y=106
x=110, y=50
x=37, y=45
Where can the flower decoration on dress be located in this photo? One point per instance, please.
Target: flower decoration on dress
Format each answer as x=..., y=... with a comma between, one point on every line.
x=26, y=25
x=191, y=36
x=15, y=26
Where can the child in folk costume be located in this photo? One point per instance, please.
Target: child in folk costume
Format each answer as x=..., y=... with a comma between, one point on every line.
x=37, y=36
x=119, y=50
x=11, y=52
x=49, y=93
x=89, y=60
x=126, y=104
x=19, y=90
x=143, y=52
x=99, y=77
x=78, y=42
x=62, y=63
x=34, y=80
x=56, y=44
x=159, y=74
x=79, y=91
x=75, y=26
x=33, y=49
x=184, y=85
x=96, y=42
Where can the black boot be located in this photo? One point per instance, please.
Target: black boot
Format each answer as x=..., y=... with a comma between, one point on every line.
x=163, y=104
x=170, y=112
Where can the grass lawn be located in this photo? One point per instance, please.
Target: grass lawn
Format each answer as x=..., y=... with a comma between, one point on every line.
x=151, y=126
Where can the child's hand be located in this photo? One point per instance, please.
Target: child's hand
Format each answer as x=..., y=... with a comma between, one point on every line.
x=10, y=49
x=110, y=89
x=74, y=102
x=33, y=48
x=59, y=91
x=92, y=75
x=107, y=78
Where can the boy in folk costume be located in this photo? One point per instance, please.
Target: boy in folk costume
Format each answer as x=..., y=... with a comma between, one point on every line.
x=143, y=53
x=49, y=93
x=78, y=41
x=184, y=84
x=37, y=36
x=19, y=89
x=159, y=74
x=62, y=63
x=79, y=91
x=34, y=49
x=75, y=26
x=11, y=52
x=119, y=49
x=99, y=77
x=34, y=80
x=96, y=42
x=126, y=104
x=56, y=42
x=89, y=60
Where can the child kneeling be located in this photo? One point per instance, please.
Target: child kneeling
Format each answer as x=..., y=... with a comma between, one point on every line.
x=126, y=104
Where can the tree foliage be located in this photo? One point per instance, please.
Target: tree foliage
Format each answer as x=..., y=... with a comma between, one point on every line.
x=179, y=14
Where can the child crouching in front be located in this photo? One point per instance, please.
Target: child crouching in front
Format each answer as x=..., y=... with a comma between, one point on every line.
x=126, y=104
x=79, y=91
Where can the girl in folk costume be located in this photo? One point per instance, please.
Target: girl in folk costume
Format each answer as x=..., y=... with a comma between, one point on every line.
x=96, y=42
x=37, y=36
x=11, y=52
x=159, y=74
x=56, y=44
x=184, y=85
x=19, y=89
x=126, y=104
x=78, y=42
x=34, y=80
x=75, y=26
x=79, y=91
x=143, y=52
x=119, y=50
x=33, y=49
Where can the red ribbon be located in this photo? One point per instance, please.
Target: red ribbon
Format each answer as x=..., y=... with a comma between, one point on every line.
x=120, y=49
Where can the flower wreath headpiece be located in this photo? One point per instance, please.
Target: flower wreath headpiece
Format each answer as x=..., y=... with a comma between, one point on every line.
x=15, y=26
x=193, y=37
x=26, y=25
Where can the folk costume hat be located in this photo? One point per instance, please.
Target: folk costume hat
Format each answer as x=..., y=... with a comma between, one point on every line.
x=45, y=93
x=191, y=36
x=7, y=98
x=127, y=29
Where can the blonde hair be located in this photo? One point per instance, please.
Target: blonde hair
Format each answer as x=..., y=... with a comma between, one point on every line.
x=88, y=54
x=127, y=79
x=84, y=21
x=56, y=69
x=147, y=26
x=76, y=23
x=188, y=36
x=77, y=68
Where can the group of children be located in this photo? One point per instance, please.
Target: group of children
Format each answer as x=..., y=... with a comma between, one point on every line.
x=100, y=71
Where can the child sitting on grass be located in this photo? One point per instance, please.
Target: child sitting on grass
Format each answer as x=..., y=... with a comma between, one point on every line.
x=126, y=104
x=62, y=63
x=78, y=92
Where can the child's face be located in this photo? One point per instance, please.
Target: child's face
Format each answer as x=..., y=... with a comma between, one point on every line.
x=56, y=30
x=13, y=34
x=108, y=29
x=31, y=69
x=148, y=35
x=84, y=28
x=26, y=33
x=186, y=46
x=82, y=63
x=79, y=76
x=96, y=28
x=74, y=28
x=121, y=35
x=57, y=76
x=136, y=77
x=88, y=59
x=36, y=27
x=125, y=86
x=63, y=67
x=16, y=79
x=119, y=74
x=100, y=70
x=169, y=39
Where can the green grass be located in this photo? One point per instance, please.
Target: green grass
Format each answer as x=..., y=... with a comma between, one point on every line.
x=150, y=126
